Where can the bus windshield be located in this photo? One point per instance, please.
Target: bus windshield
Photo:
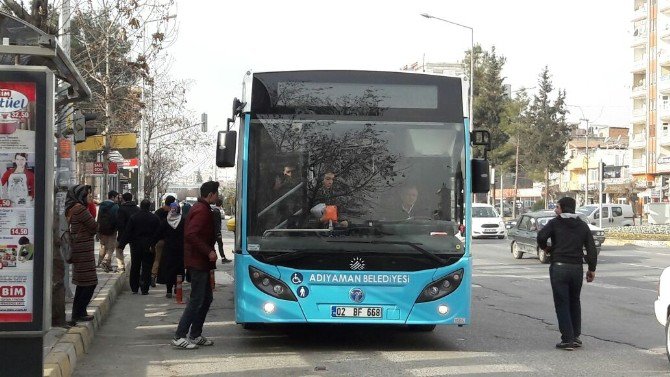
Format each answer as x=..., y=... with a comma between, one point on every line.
x=335, y=186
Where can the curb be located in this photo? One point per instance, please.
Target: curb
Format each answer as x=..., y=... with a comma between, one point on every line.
x=62, y=358
x=641, y=243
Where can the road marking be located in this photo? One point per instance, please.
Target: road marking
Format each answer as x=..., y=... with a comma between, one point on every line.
x=459, y=370
x=401, y=357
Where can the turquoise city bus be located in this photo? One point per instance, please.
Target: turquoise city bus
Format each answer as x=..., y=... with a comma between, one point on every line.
x=353, y=190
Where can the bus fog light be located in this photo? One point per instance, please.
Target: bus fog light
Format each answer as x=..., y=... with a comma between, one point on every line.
x=269, y=307
x=443, y=309
x=278, y=289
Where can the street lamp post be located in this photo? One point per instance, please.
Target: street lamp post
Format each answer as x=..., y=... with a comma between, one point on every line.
x=586, y=188
x=472, y=66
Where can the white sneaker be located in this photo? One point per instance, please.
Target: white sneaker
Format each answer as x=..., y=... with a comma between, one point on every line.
x=201, y=341
x=184, y=344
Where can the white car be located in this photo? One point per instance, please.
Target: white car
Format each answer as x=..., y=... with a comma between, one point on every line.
x=662, y=306
x=486, y=222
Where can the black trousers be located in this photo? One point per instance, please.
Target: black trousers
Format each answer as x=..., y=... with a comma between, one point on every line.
x=196, y=310
x=219, y=243
x=82, y=297
x=141, y=261
x=566, y=286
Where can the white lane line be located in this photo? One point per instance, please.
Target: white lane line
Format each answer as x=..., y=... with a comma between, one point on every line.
x=402, y=356
x=459, y=370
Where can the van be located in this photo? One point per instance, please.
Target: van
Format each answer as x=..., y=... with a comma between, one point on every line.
x=613, y=214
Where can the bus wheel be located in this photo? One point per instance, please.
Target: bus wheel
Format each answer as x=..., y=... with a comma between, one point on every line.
x=544, y=258
x=516, y=253
x=422, y=328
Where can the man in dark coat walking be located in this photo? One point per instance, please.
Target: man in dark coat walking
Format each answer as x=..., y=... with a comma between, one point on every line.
x=139, y=234
x=569, y=237
x=199, y=259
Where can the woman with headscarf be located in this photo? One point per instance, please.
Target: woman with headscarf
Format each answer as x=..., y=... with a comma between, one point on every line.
x=172, y=259
x=82, y=229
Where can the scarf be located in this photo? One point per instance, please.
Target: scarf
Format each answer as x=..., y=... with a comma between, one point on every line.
x=76, y=194
x=174, y=217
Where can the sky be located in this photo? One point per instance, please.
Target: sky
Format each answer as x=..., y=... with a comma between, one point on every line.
x=585, y=44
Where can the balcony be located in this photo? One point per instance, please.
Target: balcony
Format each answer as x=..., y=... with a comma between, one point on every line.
x=664, y=84
x=640, y=91
x=640, y=65
x=663, y=163
x=640, y=13
x=638, y=140
x=639, y=115
x=664, y=6
x=664, y=138
x=575, y=186
x=639, y=38
x=638, y=165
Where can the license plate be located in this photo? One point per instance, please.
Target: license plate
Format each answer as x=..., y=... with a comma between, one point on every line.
x=490, y=230
x=356, y=311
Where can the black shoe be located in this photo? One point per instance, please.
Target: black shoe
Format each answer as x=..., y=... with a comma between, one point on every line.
x=145, y=293
x=225, y=260
x=568, y=346
x=85, y=318
x=168, y=295
x=153, y=281
x=134, y=292
x=577, y=342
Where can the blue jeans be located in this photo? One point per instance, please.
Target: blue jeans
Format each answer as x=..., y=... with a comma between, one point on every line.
x=566, y=285
x=198, y=305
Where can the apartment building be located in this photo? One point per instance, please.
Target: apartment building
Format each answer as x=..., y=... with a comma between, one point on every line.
x=650, y=93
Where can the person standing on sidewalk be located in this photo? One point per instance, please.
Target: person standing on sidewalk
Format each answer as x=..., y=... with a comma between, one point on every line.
x=139, y=234
x=107, y=232
x=199, y=259
x=172, y=259
x=162, y=214
x=217, y=215
x=82, y=229
x=569, y=236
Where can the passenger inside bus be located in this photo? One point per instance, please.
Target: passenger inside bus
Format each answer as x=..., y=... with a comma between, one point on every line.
x=328, y=204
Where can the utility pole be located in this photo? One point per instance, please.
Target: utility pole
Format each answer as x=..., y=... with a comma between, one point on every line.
x=586, y=188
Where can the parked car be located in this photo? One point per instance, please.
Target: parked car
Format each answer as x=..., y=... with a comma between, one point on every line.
x=523, y=235
x=613, y=214
x=509, y=224
x=662, y=306
x=486, y=222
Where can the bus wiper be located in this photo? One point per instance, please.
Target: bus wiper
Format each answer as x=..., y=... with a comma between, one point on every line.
x=410, y=244
x=297, y=254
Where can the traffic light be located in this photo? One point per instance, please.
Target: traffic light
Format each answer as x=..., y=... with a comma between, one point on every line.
x=82, y=127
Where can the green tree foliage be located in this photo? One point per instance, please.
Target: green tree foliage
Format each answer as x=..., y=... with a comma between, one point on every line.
x=490, y=100
x=550, y=131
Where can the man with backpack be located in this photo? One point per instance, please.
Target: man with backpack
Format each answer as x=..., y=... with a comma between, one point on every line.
x=107, y=232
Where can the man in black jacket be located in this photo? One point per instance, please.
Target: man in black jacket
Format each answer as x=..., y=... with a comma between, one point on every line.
x=127, y=208
x=139, y=234
x=569, y=236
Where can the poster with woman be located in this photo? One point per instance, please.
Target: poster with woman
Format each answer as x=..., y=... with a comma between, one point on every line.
x=17, y=196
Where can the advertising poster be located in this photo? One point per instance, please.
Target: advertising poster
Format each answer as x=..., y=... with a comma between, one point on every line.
x=17, y=195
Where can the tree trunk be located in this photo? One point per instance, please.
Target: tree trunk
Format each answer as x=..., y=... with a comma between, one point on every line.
x=546, y=188
x=516, y=178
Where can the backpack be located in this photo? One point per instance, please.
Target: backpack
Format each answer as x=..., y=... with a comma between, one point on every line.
x=67, y=242
x=106, y=223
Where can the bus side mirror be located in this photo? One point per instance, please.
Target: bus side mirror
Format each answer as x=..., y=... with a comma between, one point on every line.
x=481, y=181
x=226, y=146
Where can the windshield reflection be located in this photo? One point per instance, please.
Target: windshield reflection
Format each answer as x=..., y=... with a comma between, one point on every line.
x=313, y=180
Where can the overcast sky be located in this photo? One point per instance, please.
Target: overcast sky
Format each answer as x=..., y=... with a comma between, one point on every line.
x=585, y=43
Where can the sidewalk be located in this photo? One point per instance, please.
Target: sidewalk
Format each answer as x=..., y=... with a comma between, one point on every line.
x=63, y=347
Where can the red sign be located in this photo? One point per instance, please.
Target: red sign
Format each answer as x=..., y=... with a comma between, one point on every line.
x=98, y=168
x=132, y=163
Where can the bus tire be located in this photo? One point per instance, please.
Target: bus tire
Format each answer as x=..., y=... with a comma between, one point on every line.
x=516, y=253
x=421, y=328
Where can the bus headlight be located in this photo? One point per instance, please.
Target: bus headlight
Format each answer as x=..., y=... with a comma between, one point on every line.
x=270, y=285
x=441, y=287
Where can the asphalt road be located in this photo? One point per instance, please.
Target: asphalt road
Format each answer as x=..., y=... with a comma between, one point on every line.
x=513, y=332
